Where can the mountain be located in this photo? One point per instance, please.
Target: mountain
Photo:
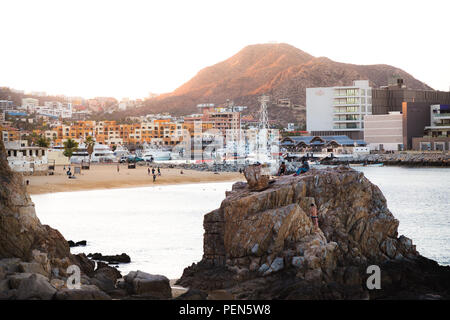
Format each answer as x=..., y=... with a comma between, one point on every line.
x=280, y=70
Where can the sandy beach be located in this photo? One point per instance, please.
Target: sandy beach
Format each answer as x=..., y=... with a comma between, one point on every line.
x=106, y=176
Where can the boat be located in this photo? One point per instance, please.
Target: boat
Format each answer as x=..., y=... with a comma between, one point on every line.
x=121, y=151
x=102, y=153
x=80, y=155
x=374, y=165
x=356, y=164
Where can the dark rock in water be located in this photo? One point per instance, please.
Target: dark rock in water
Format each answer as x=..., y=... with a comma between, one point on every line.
x=77, y=244
x=263, y=245
x=115, y=259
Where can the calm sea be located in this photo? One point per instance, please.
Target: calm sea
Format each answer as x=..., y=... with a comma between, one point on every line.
x=161, y=228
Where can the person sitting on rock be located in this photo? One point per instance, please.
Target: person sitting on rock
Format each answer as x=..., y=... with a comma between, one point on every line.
x=314, y=216
x=282, y=169
x=304, y=168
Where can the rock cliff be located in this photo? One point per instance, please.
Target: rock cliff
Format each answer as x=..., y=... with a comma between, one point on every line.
x=20, y=229
x=262, y=245
x=34, y=258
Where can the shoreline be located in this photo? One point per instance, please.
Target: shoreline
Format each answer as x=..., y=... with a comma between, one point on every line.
x=105, y=176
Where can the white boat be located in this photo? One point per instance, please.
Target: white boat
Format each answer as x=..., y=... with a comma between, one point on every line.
x=102, y=153
x=80, y=155
x=121, y=151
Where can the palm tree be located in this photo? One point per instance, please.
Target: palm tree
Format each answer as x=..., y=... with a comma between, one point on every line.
x=43, y=142
x=89, y=142
x=69, y=147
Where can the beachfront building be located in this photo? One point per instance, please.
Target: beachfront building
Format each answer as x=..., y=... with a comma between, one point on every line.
x=437, y=134
x=26, y=160
x=338, y=110
x=322, y=145
x=384, y=131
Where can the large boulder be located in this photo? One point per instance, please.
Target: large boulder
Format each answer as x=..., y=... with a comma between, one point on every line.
x=261, y=244
x=148, y=285
x=86, y=292
x=36, y=287
x=257, y=178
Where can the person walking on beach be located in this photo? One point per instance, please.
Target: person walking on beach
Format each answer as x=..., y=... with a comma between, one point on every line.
x=154, y=177
x=153, y=171
x=118, y=169
x=159, y=172
x=148, y=171
x=314, y=216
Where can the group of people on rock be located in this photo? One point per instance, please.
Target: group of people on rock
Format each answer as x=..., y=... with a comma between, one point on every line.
x=302, y=169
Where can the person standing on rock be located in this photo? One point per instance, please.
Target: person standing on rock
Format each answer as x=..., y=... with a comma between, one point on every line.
x=314, y=216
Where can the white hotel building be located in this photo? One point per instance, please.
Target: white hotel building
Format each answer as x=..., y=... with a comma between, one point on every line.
x=338, y=110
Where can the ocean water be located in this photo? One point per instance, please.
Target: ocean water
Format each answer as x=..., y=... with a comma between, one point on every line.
x=161, y=227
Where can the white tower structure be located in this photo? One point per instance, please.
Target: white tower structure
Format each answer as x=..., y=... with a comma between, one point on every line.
x=263, y=117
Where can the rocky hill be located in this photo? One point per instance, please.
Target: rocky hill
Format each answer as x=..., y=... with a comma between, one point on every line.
x=263, y=245
x=280, y=70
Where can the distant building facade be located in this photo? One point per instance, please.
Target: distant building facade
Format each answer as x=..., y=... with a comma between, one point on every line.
x=437, y=134
x=338, y=110
x=384, y=131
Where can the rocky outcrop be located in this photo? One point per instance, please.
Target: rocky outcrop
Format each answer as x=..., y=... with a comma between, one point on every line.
x=262, y=245
x=20, y=230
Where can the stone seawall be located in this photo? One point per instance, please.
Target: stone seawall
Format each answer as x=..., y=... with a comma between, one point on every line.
x=397, y=159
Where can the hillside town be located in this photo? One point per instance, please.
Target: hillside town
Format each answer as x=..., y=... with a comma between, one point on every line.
x=340, y=120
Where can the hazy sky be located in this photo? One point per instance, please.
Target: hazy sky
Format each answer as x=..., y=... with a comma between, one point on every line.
x=130, y=48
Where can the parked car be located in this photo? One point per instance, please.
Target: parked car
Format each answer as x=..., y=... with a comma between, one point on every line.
x=134, y=159
x=123, y=159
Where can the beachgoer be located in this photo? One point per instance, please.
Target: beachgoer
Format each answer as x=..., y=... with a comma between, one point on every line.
x=282, y=169
x=159, y=172
x=314, y=216
x=28, y=182
x=304, y=168
x=148, y=171
x=118, y=168
x=154, y=177
x=153, y=171
x=181, y=172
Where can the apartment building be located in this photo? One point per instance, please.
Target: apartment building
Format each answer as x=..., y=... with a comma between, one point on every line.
x=30, y=104
x=223, y=118
x=338, y=110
